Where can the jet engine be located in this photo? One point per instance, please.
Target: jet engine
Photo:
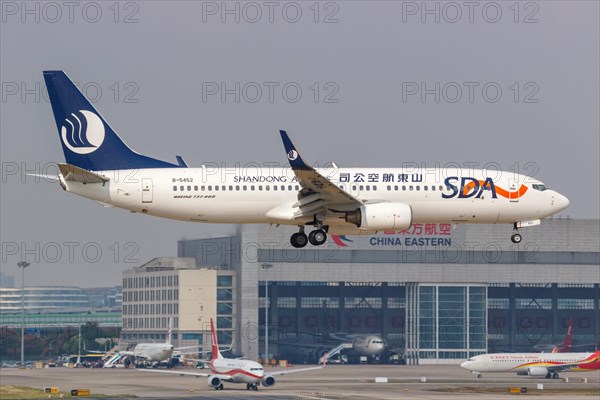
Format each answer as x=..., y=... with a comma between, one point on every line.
x=381, y=216
x=214, y=381
x=534, y=371
x=268, y=381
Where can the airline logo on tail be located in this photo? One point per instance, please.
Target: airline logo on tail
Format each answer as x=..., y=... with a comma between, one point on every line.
x=82, y=132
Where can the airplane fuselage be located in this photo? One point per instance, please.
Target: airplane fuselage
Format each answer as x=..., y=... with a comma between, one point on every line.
x=523, y=362
x=153, y=351
x=268, y=195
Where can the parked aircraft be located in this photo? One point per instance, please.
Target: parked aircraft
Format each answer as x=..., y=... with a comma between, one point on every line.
x=144, y=353
x=338, y=201
x=236, y=370
x=534, y=364
x=564, y=347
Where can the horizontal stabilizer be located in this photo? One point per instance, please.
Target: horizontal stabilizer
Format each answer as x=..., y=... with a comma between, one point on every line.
x=72, y=173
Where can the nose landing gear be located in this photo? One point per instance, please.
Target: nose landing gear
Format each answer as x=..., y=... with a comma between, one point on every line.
x=516, y=237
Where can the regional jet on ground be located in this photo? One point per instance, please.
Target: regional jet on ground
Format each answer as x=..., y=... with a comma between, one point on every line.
x=534, y=364
x=338, y=201
x=235, y=370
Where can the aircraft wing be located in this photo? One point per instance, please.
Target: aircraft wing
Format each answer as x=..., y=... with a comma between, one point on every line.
x=291, y=371
x=319, y=193
x=196, y=374
x=223, y=377
x=566, y=367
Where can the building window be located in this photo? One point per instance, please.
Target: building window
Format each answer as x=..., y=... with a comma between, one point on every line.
x=354, y=322
x=359, y=302
x=312, y=321
x=224, y=281
x=396, y=302
x=575, y=304
x=533, y=304
x=286, y=302
x=320, y=302
x=542, y=322
x=224, y=308
x=584, y=322
x=398, y=322
x=498, y=304
x=224, y=294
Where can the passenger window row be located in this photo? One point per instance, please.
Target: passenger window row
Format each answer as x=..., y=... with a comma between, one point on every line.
x=236, y=188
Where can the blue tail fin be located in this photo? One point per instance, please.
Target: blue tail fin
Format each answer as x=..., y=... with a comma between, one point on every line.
x=87, y=140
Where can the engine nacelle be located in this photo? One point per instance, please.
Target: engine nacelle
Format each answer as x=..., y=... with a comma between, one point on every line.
x=381, y=216
x=214, y=381
x=534, y=371
x=268, y=381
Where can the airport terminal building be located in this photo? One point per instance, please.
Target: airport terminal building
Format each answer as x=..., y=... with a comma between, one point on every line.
x=435, y=291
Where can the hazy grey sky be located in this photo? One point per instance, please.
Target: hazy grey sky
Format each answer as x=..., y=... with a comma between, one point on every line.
x=515, y=86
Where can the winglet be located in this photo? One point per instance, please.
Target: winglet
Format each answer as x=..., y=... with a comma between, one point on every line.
x=296, y=162
x=180, y=162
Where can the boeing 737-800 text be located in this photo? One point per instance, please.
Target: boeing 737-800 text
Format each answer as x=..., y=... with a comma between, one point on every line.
x=340, y=201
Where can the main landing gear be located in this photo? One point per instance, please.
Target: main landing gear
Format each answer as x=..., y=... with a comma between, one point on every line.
x=316, y=237
x=516, y=237
x=220, y=387
x=552, y=375
x=252, y=386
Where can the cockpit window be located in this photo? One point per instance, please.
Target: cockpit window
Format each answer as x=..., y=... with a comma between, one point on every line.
x=539, y=186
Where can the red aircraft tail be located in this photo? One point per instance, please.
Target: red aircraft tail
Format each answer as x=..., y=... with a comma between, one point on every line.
x=565, y=347
x=215, y=345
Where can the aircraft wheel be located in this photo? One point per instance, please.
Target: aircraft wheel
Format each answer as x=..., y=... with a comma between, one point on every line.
x=479, y=375
x=516, y=238
x=555, y=376
x=299, y=240
x=318, y=237
x=221, y=386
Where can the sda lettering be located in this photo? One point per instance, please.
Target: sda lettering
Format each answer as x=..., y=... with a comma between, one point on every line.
x=468, y=187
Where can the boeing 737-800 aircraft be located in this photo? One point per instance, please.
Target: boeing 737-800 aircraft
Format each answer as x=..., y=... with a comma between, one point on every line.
x=340, y=201
x=236, y=370
x=534, y=364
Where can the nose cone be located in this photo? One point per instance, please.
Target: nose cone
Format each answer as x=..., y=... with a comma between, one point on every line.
x=466, y=365
x=560, y=202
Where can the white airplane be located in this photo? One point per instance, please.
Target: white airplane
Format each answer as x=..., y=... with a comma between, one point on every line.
x=235, y=370
x=356, y=344
x=154, y=352
x=338, y=201
x=533, y=364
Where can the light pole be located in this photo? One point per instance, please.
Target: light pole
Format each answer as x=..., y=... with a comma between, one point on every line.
x=23, y=265
x=266, y=266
